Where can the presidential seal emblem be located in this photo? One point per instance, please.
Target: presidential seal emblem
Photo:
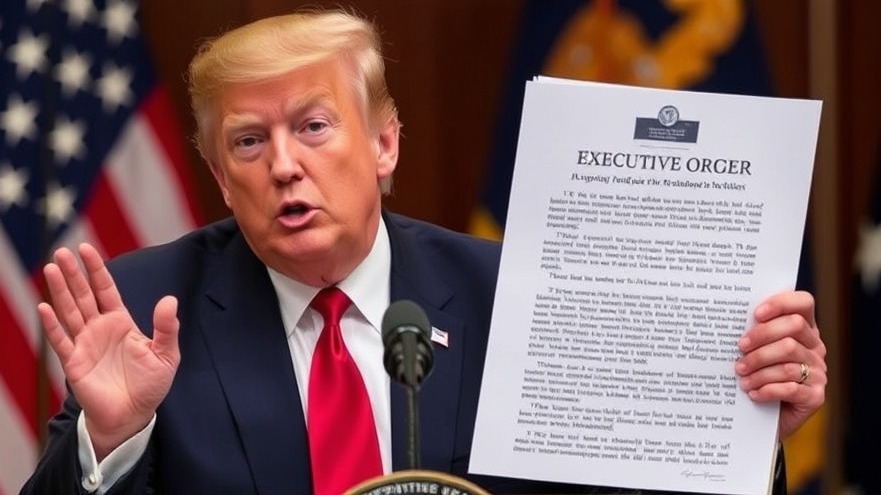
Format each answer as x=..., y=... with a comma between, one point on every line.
x=416, y=482
x=668, y=116
x=667, y=126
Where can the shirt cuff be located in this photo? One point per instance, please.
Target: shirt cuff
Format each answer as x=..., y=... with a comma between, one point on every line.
x=100, y=477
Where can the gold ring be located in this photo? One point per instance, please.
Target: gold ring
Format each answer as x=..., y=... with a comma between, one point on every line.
x=805, y=373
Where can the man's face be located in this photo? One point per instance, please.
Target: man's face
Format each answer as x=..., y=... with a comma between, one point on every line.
x=299, y=168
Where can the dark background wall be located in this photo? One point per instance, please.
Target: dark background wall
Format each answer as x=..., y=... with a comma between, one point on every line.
x=447, y=67
x=446, y=64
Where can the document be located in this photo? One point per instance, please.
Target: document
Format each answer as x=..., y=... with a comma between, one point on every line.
x=644, y=227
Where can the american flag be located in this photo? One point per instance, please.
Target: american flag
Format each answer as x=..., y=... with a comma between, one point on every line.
x=89, y=151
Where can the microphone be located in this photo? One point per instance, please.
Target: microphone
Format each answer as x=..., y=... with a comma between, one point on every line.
x=406, y=337
x=408, y=359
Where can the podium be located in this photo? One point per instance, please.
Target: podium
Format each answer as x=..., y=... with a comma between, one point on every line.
x=417, y=482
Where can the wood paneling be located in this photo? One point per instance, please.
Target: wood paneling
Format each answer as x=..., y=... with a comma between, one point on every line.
x=447, y=60
x=174, y=29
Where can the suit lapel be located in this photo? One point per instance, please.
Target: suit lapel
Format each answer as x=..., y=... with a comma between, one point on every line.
x=413, y=278
x=246, y=339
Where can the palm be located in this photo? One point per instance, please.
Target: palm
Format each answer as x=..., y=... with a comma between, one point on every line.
x=791, y=418
x=114, y=372
x=118, y=375
x=794, y=413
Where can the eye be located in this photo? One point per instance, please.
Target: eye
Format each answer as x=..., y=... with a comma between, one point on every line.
x=247, y=146
x=315, y=131
x=315, y=126
x=247, y=142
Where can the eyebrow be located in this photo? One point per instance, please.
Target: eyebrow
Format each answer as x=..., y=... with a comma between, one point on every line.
x=238, y=121
x=312, y=98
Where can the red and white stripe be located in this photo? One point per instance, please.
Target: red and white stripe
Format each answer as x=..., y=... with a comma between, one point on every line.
x=142, y=197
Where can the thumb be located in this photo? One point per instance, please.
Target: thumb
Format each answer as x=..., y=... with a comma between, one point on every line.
x=165, y=330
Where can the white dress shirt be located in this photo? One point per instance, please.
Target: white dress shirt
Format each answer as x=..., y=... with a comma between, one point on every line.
x=368, y=287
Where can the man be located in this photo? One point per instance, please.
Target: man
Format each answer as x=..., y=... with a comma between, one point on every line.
x=192, y=365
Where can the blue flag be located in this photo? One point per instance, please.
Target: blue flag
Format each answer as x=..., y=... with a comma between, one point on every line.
x=637, y=42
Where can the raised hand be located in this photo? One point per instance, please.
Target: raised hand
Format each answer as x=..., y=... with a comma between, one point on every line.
x=784, y=358
x=118, y=375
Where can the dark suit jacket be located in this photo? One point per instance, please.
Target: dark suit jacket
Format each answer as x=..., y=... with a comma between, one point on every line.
x=232, y=422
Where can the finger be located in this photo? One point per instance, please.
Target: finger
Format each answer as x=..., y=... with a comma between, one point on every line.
x=787, y=302
x=782, y=373
x=803, y=396
x=780, y=391
x=65, y=308
x=58, y=339
x=780, y=351
x=77, y=284
x=165, y=330
x=790, y=325
x=101, y=282
x=785, y=350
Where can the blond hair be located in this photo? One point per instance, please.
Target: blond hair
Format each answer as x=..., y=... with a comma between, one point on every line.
x=275, y=46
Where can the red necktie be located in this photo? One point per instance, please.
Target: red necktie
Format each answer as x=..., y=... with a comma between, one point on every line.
x=342, y=435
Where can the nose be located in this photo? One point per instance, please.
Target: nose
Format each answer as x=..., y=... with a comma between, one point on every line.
x=284, y=165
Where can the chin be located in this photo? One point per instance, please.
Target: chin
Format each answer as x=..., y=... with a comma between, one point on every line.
x=304, y=247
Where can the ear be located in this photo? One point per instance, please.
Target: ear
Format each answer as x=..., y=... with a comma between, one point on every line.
x=387, y=148
x=220, y=177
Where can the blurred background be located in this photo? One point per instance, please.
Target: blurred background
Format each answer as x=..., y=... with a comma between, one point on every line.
x=95, y=128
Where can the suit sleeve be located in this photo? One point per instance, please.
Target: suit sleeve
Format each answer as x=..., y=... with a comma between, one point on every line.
x=59, y=471
x=779, y=483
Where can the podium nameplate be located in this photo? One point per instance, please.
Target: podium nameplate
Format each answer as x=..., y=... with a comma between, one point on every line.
x=417, y=482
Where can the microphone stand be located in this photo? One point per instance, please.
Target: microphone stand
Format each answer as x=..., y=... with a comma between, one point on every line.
x=413, y=426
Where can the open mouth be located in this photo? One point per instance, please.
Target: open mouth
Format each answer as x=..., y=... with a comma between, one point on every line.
x=296, y=214
x=295, y=210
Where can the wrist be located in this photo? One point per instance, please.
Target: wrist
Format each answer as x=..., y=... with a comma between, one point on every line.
x=106, y=440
